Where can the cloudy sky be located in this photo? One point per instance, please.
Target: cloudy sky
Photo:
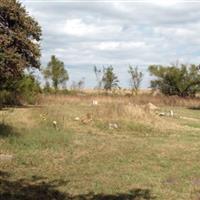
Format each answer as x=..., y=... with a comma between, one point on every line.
x=87, y=33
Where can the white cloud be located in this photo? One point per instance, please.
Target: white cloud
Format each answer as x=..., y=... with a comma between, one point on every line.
x=107, y=46
x=119, y=33
x=164, y=3
x=77, y=27
x=175, y=31
x=118, y=46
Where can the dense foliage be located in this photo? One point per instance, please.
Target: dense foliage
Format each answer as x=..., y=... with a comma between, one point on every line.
x=176, y=80
x=19, y=37
x=25, y=89
x=28, y=88
x=56, y=72
x=109, y=80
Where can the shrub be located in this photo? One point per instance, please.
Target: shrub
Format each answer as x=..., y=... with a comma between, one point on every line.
x=110, y=80
x=8, y=98
x=176, y=80
x=28, y=88
x=136, y=79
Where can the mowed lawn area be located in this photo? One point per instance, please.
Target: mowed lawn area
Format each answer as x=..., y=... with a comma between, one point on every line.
x=68, y=148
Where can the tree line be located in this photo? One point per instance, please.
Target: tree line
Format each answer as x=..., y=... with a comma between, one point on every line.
x=20, y=37
x=56, y=76
x=177, y=79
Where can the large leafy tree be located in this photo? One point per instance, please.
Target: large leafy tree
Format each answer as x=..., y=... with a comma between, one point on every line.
x=19, y=38
x=56, y=72
x=180, y=80
x=110, y=80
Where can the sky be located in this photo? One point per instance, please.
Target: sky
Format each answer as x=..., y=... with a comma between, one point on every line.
x=118, y=33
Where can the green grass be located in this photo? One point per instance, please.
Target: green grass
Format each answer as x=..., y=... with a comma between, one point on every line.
x=154, y=157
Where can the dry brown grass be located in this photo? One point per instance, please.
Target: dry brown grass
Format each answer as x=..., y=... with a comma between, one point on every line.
x=146, y=151
x=124, y=111
x=24, y=118
x=140, y=99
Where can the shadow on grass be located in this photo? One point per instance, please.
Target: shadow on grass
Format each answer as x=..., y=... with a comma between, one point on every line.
x=6, y=130
x=194, y=107
x=7, y=108
x=39, y=188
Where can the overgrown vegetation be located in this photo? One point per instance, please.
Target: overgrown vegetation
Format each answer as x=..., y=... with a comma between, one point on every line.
x=109, y=79
x=180, y=80
x=81, y=159
x=56, y=73
x=28, y=88
x=24, y=90
x=20, y=36
x=92, y=146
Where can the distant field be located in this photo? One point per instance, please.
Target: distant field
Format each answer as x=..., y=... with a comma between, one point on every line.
x=68, y=148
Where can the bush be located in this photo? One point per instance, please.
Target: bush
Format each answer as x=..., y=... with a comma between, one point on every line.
x=28, y=89
x=109, y=79
x=25, y=89
x=136, y=79
x=8, y=98
x=176, y=80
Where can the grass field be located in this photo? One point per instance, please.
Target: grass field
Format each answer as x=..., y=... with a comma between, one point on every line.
x=84, y=156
